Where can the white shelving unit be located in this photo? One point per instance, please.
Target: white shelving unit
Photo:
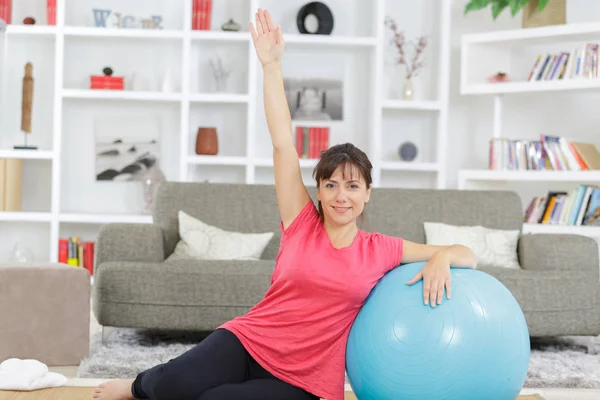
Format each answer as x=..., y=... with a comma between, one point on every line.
x=375, y=119
x=513, y=52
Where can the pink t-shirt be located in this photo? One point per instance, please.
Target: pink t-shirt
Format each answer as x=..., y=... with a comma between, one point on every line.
x=299, y=330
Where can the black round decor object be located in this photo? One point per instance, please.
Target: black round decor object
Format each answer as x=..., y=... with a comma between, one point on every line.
x=107, y=71
x=321, y=12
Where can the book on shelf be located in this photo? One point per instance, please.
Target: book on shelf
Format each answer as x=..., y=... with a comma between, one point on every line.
x=578, y=207
x=201, y=15
x=11, y=175
x=579, y=63
x=51, y=11
x=76, y=252
x=6, y=10
x=552, y=153
x=311, y=141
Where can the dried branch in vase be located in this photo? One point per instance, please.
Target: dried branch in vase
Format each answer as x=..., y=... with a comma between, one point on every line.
x=417, y=63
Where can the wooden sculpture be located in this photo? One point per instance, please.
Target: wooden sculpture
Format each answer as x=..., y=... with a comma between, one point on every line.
x=27, y=105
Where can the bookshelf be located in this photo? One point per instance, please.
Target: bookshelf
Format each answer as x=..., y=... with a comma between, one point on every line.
x=514, y=52
x=357, y=52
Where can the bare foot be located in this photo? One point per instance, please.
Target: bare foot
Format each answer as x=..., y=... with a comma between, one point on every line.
x=117, y=389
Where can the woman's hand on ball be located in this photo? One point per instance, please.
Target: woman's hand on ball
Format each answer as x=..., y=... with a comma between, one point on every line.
x=436, y=276
x=267, y=38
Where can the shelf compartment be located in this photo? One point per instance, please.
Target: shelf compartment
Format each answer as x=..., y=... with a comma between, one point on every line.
x=80, y=14
x=515, y=51
x=230, y=121
x=144, y=76
x=231, y=56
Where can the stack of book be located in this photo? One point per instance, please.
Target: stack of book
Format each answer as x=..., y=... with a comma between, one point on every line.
x=201, y=13
x=580, y=206
x=74, y=251
x=311, y=141
x=549, y=153
x=11, y=174
x=579, y=63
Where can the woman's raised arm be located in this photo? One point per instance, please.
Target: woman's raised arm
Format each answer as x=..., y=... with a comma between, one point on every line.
x=292, y=195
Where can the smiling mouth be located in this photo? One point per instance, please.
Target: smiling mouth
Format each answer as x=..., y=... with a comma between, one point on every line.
x=341, y=210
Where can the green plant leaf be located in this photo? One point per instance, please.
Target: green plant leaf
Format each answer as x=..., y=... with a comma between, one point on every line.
x=516, y=6
x=542, y=4
x=475, y=5
x=498, y=6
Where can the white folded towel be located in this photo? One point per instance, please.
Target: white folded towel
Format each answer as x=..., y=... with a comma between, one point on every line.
x=17, y=374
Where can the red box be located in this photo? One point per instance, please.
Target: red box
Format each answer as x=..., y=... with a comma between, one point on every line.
x=107, y=82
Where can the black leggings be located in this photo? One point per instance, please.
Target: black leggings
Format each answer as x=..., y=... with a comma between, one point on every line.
x=219, y=368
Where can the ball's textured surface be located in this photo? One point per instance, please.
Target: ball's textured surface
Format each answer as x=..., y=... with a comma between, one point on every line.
x=473, y=346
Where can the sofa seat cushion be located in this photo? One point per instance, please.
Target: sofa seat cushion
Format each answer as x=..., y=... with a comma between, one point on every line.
x=185, y=283
x=552, y=290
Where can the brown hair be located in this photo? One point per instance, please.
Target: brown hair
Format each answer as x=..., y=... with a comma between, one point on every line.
x=346, y=155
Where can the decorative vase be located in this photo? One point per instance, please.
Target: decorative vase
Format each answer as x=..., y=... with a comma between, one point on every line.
x=407, y=89
x=150, y=181
x=207, y=142
x=555, y=13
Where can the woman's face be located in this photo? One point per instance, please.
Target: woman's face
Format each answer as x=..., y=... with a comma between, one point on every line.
x=343, y=196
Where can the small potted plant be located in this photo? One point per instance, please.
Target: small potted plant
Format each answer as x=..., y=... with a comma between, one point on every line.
x=535, y=12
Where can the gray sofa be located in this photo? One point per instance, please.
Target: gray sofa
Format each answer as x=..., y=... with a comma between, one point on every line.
x=558, y=286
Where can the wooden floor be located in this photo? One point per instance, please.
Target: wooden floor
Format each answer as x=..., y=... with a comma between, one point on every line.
x=62, y=393
x=85, y=393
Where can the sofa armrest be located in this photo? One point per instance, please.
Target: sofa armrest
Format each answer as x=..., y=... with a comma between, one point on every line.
x=546, y=251
x=130, y=242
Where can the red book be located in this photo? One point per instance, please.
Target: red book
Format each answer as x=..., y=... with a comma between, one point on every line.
x=299, y=140
x=51, y=9
x=195, y=11
x=5, y=10
x=63, y=248
x=2, y=9
x=88, y=257
x=326, y=139
x=205, y=14
x=313, y=151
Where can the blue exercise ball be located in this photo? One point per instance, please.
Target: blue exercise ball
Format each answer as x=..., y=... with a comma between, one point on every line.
x=474, y=346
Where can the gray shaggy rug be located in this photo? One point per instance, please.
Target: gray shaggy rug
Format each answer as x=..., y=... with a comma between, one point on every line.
x=565, y=362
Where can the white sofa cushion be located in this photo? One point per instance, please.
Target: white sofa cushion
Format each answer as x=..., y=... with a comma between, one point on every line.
x=201, y=241
x=493, y=247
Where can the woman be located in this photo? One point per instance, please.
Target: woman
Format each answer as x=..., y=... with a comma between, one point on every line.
x=291, y=345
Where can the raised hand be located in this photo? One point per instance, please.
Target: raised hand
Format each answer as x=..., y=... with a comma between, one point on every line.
x=267, y=38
